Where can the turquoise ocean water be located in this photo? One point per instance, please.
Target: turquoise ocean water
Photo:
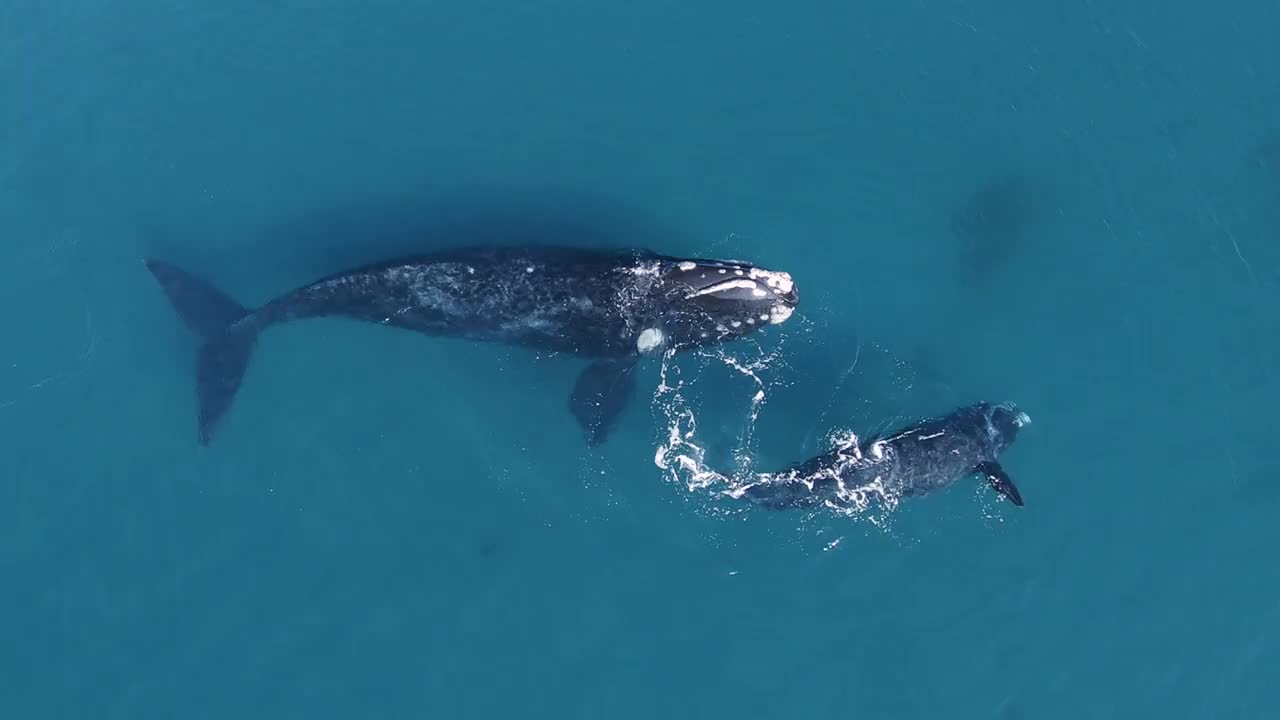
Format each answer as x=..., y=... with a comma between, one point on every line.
x=1072, y=206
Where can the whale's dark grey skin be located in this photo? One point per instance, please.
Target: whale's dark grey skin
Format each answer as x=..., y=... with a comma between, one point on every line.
x=916, y=460
x=609, y=306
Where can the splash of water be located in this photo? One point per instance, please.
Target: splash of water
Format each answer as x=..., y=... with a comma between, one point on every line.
x=682, y=456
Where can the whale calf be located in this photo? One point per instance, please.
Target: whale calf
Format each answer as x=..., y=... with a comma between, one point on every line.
x=611, y=307
x=916, y=460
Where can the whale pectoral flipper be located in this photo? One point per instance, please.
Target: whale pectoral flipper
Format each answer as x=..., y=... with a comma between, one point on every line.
x=224, y=356
x=600, y=395
x=1000, y=481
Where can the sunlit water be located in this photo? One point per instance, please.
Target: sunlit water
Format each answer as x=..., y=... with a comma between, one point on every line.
x=1069, y=207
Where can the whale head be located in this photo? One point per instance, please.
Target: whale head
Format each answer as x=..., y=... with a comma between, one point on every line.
x=703, y=302
x=1004, y=421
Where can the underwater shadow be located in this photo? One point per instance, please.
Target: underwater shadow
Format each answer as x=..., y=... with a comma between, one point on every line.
x=999, y=221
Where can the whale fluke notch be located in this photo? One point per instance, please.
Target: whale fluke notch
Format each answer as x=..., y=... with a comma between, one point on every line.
x=223, y=358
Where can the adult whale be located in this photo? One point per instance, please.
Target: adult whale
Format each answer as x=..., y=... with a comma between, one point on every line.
x=916, y=460
x=609, y=306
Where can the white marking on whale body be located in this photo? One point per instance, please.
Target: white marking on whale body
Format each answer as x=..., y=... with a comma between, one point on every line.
x=780, y=282
x=687, y=265
x=728, y=285
x=529, y=269
x=649, y=339
x=778, y=314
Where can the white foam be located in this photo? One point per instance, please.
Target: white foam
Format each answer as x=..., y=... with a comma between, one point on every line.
x=649, y=339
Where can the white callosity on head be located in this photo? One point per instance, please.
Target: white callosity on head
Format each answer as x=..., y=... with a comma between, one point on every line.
x=1020, y=417
x=741, y=283
x=687, y=265
x=779, y=282
x=779, y=313
x=649, y=340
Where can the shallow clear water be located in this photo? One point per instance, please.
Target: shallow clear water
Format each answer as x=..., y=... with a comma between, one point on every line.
x=1070, y=207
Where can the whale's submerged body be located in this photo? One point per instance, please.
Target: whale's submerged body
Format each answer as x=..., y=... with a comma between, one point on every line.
x=611, y=307
x=919, y=459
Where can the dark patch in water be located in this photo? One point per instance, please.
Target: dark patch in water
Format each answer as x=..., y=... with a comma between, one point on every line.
x=998, y=221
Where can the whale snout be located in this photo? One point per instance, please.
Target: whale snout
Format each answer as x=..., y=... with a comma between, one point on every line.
x=780, y=282
x=737, y=282
x=1006, y=420
x=715, y=300
x=1016, y=415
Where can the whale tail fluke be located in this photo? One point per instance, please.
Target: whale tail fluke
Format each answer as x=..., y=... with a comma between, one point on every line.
x=224, y=356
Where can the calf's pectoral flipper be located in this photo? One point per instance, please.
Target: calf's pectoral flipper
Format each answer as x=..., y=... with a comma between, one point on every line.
x=600, y=395
x=1000, y=481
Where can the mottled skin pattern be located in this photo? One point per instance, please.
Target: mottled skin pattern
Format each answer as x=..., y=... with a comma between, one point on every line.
x=917, y=460
x=610, y=306
x=589, y=303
